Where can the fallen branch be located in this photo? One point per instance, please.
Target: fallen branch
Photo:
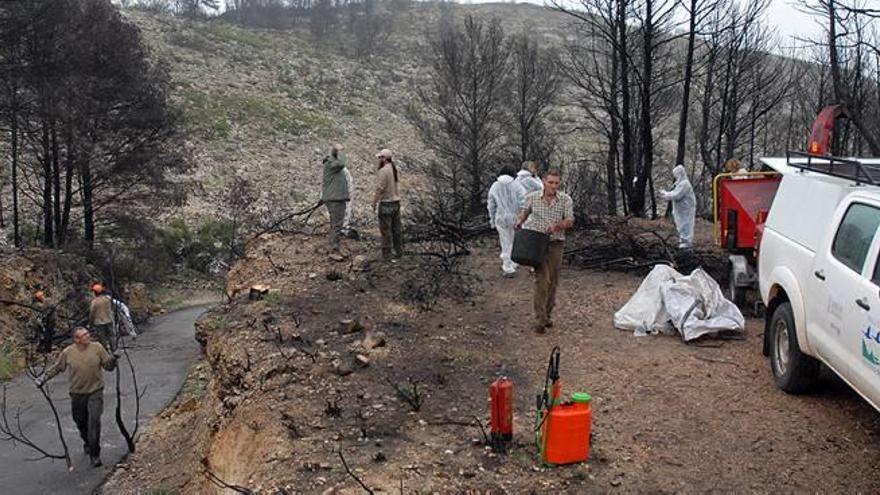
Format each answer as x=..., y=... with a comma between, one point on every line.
x=274, y=226
x=213, y=478
x=625, y=244
x=350, y=473
x=16, y=434
x=119, y=343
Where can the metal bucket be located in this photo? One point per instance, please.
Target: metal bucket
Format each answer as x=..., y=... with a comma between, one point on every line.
x=529, y=247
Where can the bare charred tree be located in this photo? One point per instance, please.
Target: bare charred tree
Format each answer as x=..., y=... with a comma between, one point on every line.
x=461, y=111
x=655, y=21
x=743, y=89
x=536, y=82
x=369, y=27
x=698, y=12
x=594, y=65
x=322, y=19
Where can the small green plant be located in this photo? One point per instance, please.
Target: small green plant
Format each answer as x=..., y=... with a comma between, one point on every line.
x=273, y=298
x=219, y=323
x=196, y=384
x=9, y=364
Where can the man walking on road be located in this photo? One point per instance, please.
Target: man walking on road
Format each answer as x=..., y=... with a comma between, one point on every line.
x=101, y=317
x=84, y=359
x=549, y=211
x=334, y=193
x=506, y=199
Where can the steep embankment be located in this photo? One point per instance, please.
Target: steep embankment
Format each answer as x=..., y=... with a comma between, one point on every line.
x=334, y=358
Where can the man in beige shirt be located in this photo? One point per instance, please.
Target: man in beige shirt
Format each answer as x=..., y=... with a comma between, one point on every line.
x=84, y=361
x=550, y=211
x=386, y=201
x=101, y=317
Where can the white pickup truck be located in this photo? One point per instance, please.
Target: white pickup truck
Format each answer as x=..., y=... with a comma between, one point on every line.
x=819, y=273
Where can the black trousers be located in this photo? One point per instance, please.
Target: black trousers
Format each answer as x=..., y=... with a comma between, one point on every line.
x=87, y=410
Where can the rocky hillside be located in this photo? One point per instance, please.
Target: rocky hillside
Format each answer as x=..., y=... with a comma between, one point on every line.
x=264, y=105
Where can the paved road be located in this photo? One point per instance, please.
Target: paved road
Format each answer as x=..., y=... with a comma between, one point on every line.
x=162, y=354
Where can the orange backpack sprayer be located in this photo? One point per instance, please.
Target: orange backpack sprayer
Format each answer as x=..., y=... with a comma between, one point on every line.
x=562, y=429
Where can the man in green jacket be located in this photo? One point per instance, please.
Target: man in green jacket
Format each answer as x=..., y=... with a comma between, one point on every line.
x=334, y=193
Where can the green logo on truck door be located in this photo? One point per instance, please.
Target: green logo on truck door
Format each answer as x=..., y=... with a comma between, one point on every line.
x=870, y=339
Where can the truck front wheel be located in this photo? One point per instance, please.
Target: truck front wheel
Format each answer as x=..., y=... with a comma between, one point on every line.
x=794, y=371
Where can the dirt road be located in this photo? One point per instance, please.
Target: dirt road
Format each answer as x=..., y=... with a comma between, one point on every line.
x=162, y=354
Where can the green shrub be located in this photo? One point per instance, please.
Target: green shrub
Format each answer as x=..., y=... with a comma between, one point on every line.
x=198, y=249
x=147, y=252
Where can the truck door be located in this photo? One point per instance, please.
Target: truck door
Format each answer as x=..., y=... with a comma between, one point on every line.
x=866, y=316
x=840, y=299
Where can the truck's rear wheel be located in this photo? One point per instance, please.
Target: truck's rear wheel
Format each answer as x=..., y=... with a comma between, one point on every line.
x=793, y=370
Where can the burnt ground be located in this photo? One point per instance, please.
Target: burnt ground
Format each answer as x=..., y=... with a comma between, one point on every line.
x=268, y=410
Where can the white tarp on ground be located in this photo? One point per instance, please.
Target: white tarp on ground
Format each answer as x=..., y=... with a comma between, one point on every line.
x=668, y=301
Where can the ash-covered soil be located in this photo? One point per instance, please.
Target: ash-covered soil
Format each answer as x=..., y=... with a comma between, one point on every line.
x=286, y=385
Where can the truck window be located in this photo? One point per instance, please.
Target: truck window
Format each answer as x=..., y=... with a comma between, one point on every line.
x=854, y=236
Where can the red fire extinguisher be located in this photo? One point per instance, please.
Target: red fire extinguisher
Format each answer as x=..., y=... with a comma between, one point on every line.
x=501, y=407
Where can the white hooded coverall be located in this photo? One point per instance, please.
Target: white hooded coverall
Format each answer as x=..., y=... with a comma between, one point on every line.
x=684, y=206
x=506, y=198
x=529, y=183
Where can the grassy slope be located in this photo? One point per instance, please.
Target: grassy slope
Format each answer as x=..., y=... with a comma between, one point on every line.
x=266, y=104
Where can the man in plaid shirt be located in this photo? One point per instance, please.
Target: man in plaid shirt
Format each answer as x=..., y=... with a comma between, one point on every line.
x=549, y=211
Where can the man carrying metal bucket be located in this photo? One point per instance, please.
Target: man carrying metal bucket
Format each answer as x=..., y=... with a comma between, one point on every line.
x=549, y=211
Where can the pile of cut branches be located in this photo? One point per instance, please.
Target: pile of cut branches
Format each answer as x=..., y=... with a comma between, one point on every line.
x=629, y=244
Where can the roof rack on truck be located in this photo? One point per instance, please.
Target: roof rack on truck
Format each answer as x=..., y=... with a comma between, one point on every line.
x=860, y=171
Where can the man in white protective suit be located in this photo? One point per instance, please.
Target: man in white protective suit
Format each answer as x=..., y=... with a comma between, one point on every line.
x=684, y=206
x=506, y=199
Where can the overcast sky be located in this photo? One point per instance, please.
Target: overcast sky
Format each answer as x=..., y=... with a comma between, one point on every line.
x=788, y=20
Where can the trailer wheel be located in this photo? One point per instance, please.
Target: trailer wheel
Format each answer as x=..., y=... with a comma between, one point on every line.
x=793, y=371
